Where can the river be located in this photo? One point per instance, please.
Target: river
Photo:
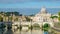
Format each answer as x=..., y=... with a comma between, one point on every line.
x=4, y=31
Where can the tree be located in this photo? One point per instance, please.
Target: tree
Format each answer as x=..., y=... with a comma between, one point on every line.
x=54, y=17
x=59, y=13
x=1, y=12
x=59, y=16
x=7, y=14
x=16, y=13
x=46, y=27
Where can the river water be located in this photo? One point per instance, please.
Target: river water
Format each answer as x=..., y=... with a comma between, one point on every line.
x=4, y=31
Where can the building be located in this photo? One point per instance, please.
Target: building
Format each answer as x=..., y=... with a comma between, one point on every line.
x=11, y=18
x=43, y=16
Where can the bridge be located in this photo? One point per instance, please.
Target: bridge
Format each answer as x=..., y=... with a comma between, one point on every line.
x=32, y=23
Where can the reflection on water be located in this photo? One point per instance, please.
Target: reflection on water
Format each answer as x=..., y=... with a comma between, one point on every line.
x=4, y=31
x=45, y=32
x=9, y=32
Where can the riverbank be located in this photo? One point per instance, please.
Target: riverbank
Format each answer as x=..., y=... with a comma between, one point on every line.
x=55, y=31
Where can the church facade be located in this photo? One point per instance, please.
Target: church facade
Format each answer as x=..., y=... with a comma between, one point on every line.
x=43, y=16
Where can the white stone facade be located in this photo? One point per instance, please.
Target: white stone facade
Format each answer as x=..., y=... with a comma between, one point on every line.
x=42, y=16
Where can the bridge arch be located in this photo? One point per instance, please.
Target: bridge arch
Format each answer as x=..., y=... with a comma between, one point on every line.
x=36, y=26
x=49, y=23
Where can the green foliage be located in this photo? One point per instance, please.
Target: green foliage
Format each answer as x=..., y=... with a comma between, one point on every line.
x=54, y=17
x=46, y=27
x=1, y=12
x=59, y=13
x=9, y=13
x=16, y=13
x=59, y=18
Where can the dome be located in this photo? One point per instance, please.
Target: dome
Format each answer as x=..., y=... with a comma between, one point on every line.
x=43, y=10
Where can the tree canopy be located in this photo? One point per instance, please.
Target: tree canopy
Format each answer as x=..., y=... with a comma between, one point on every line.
x=9, y=13
x=54, y=17
x=59, y=13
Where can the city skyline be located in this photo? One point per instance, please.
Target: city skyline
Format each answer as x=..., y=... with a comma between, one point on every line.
x=30, y=6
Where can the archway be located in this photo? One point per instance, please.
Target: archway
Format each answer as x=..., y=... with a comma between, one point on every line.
x=36, y=26
x=50, y=23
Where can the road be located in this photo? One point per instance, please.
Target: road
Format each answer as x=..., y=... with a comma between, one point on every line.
x=57, y=29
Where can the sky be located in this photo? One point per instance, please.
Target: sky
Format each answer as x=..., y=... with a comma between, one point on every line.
x=29, y=4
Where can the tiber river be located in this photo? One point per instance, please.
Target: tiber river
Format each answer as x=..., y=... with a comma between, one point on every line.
x=18, y=31
x=4, y=31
